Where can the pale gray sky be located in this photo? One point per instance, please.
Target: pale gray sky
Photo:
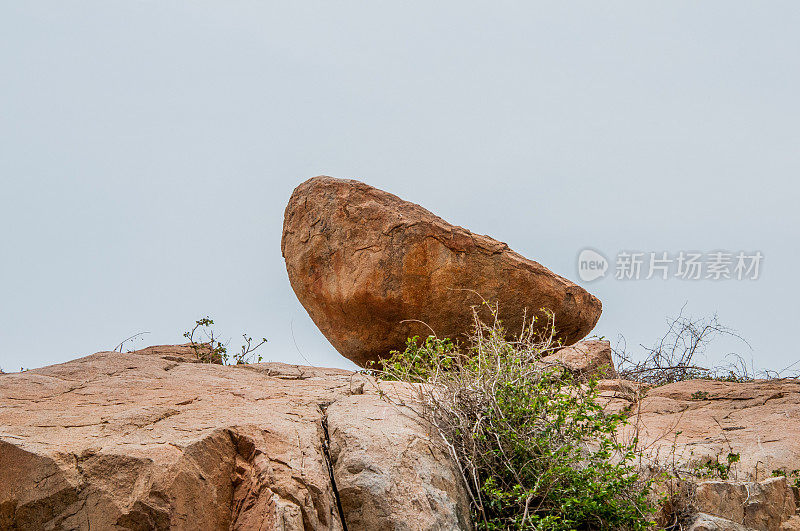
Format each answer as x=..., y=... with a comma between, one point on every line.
x=148, y=148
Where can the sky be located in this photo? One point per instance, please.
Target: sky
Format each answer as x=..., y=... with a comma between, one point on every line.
x=148, y=149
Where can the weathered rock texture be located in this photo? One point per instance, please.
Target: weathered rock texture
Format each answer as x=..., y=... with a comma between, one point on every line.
x=763, y=506
x=149, y=440
x=152, y=440
x=709, y=522
x=692, y=423
x=387, y=472
x=706, y=420
x=686, y=425
x=591, y=358
x=370, y=269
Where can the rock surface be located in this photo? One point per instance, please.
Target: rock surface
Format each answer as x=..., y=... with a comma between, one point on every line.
x=589, y=358
x=370, y=269
x=388, y=474
x=148, y=440
x=762, y=506
x=185, y=353
x=153, y=440
x=706, y=420
x=693, y=424
x=709, y=522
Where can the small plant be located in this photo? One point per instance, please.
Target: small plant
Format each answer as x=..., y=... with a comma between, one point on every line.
x=793, y=475
x=716, y=469
x=245, y=355
x=677, y=484
x=131, y=339
x=212, y=350
x=419, y=362
x=536, y=449
x=700, y=395
x=731, y=376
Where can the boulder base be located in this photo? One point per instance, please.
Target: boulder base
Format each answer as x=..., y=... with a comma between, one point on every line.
x=153, y=440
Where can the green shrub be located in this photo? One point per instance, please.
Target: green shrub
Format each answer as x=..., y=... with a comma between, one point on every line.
x=793, y=476
x=716, y=469
x=536, y=449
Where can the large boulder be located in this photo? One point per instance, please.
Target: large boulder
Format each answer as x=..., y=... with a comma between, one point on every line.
x=372, y=270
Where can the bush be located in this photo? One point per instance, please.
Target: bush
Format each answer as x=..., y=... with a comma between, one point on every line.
x=535, y=447
x=674, y=356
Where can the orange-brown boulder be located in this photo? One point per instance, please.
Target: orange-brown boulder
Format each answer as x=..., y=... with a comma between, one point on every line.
x=372, y=270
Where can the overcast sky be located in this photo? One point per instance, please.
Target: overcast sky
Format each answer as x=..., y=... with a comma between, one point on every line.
x=148, y=149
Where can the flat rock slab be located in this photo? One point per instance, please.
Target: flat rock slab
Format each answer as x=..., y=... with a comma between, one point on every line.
x=697, y=421
x=373, y=270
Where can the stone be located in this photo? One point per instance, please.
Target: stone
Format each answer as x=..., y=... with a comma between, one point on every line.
x=688, y=424
x=150, y=440
x=696, y=421
x=185, y=353
x=373, y=270
x=708, y=522
x=153, y=440
x=375, y=445
x=586, y=359
x=617, y=395
x=762, y=506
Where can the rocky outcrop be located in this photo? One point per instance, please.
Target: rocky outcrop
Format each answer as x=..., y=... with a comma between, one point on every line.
x=154, y=440
x=150, y=440
x=747, y=431
x=373, y=270
x=188, y=352
x=700, y=421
